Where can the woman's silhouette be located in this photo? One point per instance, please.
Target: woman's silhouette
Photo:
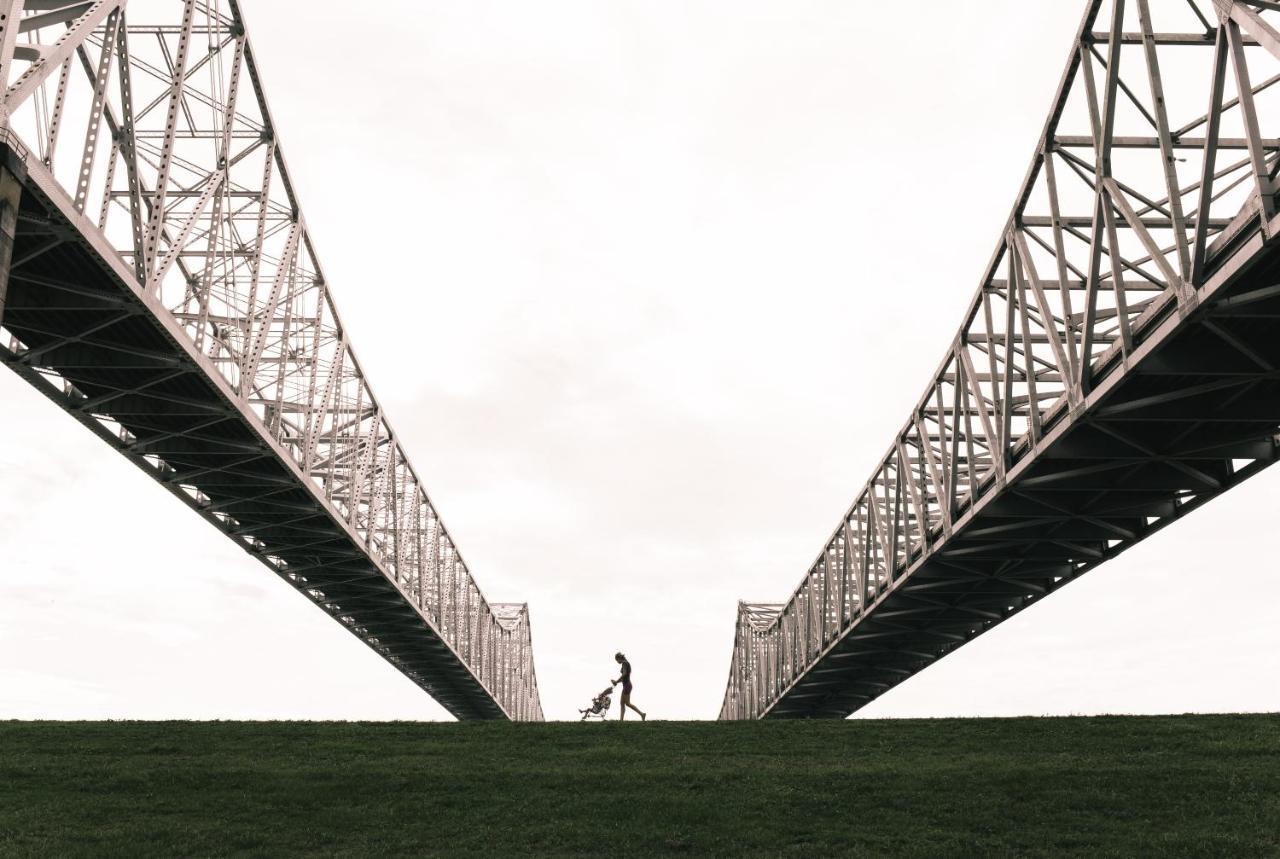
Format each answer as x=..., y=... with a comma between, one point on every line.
x=625, y=679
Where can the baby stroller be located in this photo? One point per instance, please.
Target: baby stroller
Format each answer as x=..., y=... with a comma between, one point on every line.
x=599, y=706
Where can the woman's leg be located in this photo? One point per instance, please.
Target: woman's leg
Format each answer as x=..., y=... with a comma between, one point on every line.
x=626, y=702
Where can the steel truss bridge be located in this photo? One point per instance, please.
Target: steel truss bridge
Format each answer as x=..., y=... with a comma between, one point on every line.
x=1118, y=367
x=158, y=282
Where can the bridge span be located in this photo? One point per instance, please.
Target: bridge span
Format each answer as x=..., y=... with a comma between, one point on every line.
x=1118, y=367
x=158, y=282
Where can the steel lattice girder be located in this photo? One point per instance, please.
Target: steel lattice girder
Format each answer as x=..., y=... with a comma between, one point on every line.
x=1117, y=367
x=162, y=287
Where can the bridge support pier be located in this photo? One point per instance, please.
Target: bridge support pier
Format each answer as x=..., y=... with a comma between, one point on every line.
x=10, y=198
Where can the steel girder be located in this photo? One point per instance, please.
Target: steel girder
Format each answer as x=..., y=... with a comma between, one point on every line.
x=162, y=287
x=1118, y=366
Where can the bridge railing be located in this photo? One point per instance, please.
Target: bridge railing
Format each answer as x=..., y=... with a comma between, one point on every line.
x=151, y=117
x=1158, y=153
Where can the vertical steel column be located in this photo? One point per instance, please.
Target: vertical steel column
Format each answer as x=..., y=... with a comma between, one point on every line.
x=10, y=16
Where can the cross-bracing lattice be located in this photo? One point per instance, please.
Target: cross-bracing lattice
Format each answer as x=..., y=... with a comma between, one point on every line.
x=150, y=119
x=1114, y=370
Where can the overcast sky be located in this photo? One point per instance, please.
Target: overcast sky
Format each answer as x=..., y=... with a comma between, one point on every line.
x=646, y=289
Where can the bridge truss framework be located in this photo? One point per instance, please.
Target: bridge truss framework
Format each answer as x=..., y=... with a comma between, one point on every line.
x=159, y=283
x=1118, y=367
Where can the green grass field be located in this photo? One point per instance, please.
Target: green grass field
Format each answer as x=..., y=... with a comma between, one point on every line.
x=1118, y=786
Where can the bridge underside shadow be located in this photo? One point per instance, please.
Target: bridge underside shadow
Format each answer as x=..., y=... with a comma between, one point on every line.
x=1116, y=369
x=159, y=282
x=1189, y=419
x=114, y=359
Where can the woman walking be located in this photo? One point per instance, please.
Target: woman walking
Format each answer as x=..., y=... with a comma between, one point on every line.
x=625, y=679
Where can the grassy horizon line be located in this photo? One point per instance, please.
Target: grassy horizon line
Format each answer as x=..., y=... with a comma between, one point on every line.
x=1190, y=785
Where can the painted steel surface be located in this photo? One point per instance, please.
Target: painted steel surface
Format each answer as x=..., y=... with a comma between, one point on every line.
x=163, y=288
x=1116, y=369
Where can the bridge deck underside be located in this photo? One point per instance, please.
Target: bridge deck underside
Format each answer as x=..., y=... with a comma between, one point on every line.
x=66, y=303
x=1196, y=412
